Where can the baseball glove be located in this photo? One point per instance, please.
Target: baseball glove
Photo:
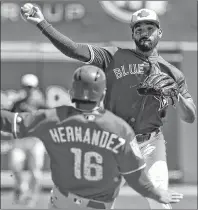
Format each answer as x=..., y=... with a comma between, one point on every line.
x=160, y=85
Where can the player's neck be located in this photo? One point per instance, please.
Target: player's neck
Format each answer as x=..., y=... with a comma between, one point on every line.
x=153, y=52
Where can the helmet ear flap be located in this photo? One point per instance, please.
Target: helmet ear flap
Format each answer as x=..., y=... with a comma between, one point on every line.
x=101, y=101
x=71, y=95
x=103, y=96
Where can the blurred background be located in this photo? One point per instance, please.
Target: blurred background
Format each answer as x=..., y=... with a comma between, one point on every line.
x=25, y=50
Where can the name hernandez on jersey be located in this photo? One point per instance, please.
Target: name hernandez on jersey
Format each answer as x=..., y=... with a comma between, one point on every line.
x=99, y=138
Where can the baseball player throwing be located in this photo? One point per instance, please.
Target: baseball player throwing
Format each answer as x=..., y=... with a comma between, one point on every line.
x=129, y=94
x=89, y=154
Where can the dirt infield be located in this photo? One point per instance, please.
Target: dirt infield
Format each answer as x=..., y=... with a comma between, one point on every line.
x=128, y=199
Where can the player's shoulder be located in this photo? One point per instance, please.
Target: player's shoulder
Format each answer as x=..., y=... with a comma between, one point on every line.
x=171, y=70
x=39, y=117
x=110, y=49
x=63, y=112
x=40, y=114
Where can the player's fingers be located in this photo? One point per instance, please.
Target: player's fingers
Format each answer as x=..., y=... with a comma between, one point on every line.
x=173, y=193
x=175, y=201
x=177, y=196
x=30, y=18
x=145, y=63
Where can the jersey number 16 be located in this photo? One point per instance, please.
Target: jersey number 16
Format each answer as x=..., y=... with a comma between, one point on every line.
x=83, y=166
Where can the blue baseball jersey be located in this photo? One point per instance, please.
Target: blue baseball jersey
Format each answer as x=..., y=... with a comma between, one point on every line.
x=124, y=71
x=88, y=151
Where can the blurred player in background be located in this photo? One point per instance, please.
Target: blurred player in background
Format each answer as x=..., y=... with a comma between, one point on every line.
x=28, y=150
x=90, y=148
x=125, y=70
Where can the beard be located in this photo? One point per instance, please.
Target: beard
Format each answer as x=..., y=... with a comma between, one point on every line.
x=146, y=45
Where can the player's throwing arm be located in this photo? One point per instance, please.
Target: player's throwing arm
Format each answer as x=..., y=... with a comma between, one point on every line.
x=33, y=14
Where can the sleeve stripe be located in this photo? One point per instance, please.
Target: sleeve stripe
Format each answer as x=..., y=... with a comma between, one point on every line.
x=130, y=172
x=92, y=55
x=15, y=125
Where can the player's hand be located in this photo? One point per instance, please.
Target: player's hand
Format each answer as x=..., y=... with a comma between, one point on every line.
x=168, y=196
x=36, y=18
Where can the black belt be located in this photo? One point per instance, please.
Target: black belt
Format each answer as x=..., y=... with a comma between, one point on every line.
x=91, y=204
x=145, y=137
x=96, y=205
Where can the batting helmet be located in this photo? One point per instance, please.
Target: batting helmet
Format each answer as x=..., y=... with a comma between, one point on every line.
x=144, y=15
x=89, y=84
x=29, y=80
